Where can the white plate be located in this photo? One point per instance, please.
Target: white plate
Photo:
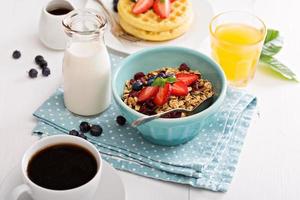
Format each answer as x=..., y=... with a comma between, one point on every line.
x=111, y=186
x=192, y=39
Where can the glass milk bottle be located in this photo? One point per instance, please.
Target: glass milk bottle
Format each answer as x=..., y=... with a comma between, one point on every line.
x=86, y=64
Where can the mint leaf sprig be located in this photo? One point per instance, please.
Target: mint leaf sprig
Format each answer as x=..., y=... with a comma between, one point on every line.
x=272, y=45
x=159, y=81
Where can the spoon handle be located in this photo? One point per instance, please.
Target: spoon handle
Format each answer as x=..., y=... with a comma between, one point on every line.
x=146, y=119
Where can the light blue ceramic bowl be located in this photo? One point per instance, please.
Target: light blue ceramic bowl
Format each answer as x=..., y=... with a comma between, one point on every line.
x=169, y=131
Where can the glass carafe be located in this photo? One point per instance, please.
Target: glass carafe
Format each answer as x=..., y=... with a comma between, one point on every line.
x=86, y=64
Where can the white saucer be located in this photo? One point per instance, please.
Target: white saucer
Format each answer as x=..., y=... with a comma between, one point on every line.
x=198, y=32
x=111, y=186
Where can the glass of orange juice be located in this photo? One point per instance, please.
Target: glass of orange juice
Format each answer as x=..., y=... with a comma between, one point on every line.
x=236, y=41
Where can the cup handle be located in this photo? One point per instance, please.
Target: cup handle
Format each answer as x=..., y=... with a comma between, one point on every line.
x=16, y=192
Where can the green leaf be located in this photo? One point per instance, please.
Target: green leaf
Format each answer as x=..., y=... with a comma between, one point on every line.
x=159, y=82
x=271, y=35
x=273, y=43
x=171, y=79
x=279, y=67
x=162, y=81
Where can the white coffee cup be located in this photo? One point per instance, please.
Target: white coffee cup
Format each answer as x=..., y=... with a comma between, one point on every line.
x=86, y=191
x=51, y=31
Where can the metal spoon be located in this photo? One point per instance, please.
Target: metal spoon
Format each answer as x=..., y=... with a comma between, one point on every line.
x=202, y=106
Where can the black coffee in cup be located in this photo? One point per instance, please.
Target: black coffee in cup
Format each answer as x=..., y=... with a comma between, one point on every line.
x=62, y=167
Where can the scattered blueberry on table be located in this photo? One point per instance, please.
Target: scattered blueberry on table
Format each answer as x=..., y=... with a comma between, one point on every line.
x=96, y=130
x=74, y=133
x=39, y=133
x=43, y=64
x=38, y=59
x=46, y=71
x=121, y=120
x=84, y=127
x=16, y=54
x=33, y=73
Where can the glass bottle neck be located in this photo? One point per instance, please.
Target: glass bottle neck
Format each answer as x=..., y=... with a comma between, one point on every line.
x=84, y=25
x=87, y=38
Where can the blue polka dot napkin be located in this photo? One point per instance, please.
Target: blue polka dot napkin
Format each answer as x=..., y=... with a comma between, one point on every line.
x=208, y=161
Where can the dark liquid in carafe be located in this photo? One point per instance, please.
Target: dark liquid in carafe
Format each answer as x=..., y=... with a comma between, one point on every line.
x=60, y=11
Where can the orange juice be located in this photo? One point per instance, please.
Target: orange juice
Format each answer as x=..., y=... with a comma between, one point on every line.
x=236, y=47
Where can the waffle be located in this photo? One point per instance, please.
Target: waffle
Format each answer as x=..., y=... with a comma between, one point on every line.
x=149, y=21
x=157, y=36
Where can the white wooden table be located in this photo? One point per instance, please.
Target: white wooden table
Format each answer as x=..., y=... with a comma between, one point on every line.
x=269, y=166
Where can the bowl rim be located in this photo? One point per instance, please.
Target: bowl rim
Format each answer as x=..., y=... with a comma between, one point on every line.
x=140, y=53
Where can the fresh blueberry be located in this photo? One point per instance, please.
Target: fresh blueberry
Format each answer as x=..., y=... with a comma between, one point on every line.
x=43, y=64
x=150, y=80
x=74, y=133
x=84, y=127
x=33, y=73
x=161, y=74
x=96, y=130
x=138, y=75
x=39, y=133
x=121, y=120
x=16, y=54
x=137, y=85
x=38, y=59
x=46, y=71
x=184, y=67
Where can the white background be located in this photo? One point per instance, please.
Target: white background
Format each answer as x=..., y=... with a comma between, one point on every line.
x=269, y=166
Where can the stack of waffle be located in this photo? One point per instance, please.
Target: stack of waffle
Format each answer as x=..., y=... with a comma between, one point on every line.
x=149, y=26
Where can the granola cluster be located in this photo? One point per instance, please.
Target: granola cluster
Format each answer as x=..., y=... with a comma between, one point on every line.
x=196, y=93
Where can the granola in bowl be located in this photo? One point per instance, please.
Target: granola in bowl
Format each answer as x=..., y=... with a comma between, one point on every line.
x=165, y=89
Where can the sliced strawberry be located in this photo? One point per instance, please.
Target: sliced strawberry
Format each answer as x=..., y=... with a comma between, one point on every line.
x=163, y=95
x=179, y=88
x=172, y=1
x=142, y=6
x=147, y=92
x=162, y=8
x=188, y=79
